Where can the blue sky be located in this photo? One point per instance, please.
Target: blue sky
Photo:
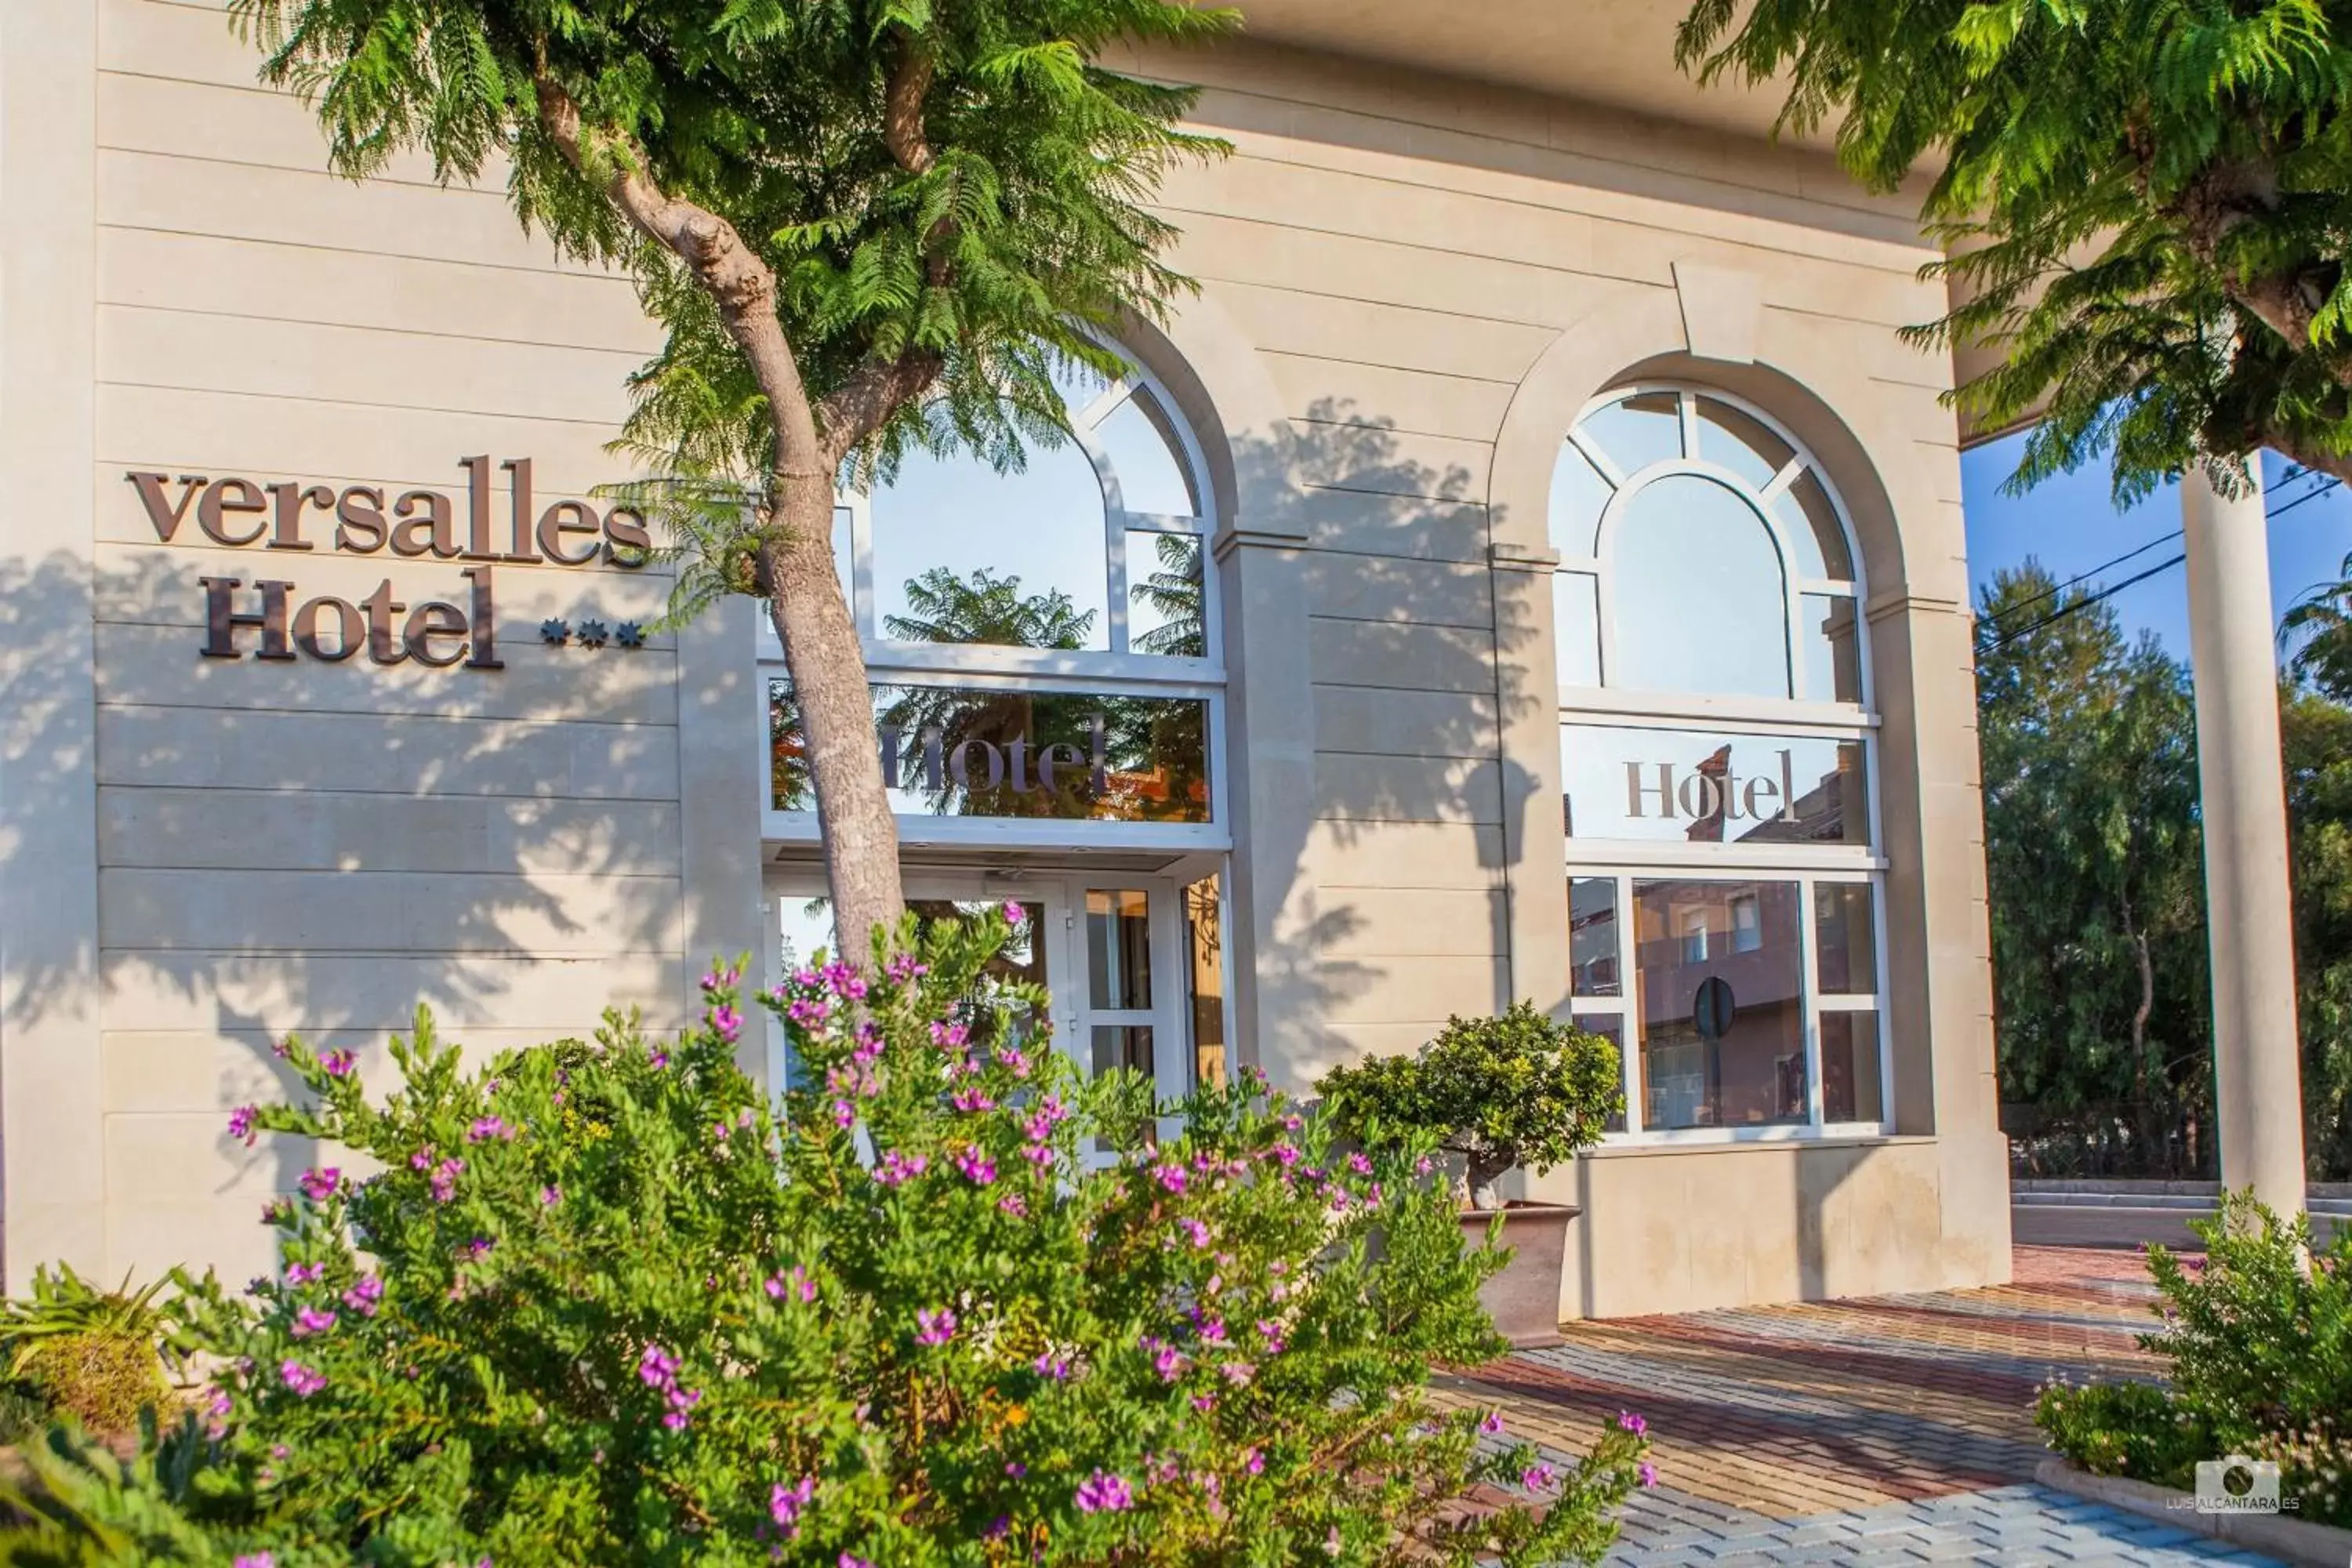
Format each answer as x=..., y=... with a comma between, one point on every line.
x=2071, y=524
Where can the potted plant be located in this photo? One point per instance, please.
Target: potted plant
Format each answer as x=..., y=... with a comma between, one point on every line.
x=1517, y=1089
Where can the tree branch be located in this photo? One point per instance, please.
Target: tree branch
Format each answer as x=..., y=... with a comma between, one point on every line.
x=902, y=109
x=742, y=284
x=864, y=403
x=2338, y=464
x=2225, y=198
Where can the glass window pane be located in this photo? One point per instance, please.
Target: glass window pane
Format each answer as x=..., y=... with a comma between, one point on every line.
x=1731, y=438
x=1707, y=786
x=1578, y=494
x=1205, y=945
x=965, y=555
x=1079, y=384
x=1831, y=634
x=1592, y=946
x=1719, y=968
x=1126, y=1046
x=1610, y=1027
x=806, y=926
x=1701, y=603
x=1850, y=1086
x=1639, y=431
x=1846, y=936
x=950, y=751
x=1143, y=451
x=1119, y=949
x=1576, y=626
x=1805, y=508
x=1163, y=594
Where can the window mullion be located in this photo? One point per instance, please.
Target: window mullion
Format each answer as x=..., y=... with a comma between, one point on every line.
x=1809, y=992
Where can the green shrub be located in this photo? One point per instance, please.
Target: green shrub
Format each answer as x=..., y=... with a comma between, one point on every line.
x=1518, y=1090
x=72, y=1349
x=601, y=1306
x=2258, y=1347
x=102, y=1379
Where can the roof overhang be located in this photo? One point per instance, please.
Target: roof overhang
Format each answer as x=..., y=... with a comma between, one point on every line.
x=1618, y=53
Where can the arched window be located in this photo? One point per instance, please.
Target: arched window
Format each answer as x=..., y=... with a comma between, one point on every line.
x=1043, y=642
x=1097, y=546
x=1716, y=741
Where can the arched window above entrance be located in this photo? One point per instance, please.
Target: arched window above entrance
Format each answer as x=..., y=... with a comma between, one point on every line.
x=1703, y=553
x=1095, y=549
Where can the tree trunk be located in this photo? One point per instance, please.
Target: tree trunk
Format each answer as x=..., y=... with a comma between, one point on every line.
x=1483, y=1171
x=836, y=711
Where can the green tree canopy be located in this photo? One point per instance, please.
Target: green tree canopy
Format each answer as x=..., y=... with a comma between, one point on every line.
x=2145, y=203
x=865, y=224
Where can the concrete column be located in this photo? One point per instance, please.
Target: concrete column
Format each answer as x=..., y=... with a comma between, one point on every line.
x=2241, y=778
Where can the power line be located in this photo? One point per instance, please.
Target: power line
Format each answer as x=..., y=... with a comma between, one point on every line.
x=2108, y=593
x=2053, y=593
x=2084, y=602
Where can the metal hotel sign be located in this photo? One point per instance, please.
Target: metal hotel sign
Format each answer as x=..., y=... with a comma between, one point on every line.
x=417, y=524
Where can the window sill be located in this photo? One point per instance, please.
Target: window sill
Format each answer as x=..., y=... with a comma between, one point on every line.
x=1751, y=1143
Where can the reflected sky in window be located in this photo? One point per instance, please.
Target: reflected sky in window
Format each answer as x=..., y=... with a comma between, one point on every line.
x=1043, y=526
x=1700, y=601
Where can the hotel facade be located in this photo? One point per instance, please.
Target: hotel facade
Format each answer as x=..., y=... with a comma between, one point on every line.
x=1531, y=565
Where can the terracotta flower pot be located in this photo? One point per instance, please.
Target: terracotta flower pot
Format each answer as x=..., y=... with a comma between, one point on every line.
x=1523, y=1298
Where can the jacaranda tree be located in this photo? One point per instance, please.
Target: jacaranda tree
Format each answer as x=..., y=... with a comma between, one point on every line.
x=2146, y=203
x=867, y=226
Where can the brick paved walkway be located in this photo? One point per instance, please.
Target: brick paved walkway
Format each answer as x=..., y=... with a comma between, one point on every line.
x=1885, y=1430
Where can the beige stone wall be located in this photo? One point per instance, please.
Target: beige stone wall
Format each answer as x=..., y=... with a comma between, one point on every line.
x=318, y=848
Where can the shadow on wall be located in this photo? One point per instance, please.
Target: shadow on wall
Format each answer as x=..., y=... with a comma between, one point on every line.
x=324, y=847
x=1416, y=652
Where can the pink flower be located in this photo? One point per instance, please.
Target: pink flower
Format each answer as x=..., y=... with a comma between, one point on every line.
x=1649, y=1474
x=1014, y=1061
x=302, y=1381
x=1105, y=1493
x=363, y=1295
x=1358, y=1164
x=339, y=1064
x=1051, y=1365
x=1491, y=1424
x=977, y=1167
x=971, y=1099
x=254, y=1560
x=1237, y=1373
x=1271, y=1332
x=312, y=1320
x=785, y=1503
x=896, y=1167
x=445, y=1179
x=1014, y=914
x=1538, y=1478
x=935, y=1328
x=1165, y=1360
x=727, y=1021
x=902, y=968
x=850, y=1559
x=319, y=1185
x=1171, y=1177
x=1197, y=1230
x=657, y=1368
x=487, y=1128
x=1255, y=1463
x=1631, y=1423
x=950, y=1036
x=799, y=1285
x=304, y=1273
x=1010, y=1204
x=550, y=1196
x=240, y=1123
x=1204, y=1403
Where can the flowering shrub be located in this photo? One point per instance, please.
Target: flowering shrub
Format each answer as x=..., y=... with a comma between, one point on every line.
x=2259, y=1353
x=952, y=1304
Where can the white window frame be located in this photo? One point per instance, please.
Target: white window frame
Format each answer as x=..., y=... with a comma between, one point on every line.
x=1118, y=671
x=1627, y=862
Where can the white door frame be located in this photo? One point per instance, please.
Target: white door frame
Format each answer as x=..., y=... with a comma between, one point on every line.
x=1062, y=895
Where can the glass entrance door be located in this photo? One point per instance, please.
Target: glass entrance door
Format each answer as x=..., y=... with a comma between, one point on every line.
x=1114, y=952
